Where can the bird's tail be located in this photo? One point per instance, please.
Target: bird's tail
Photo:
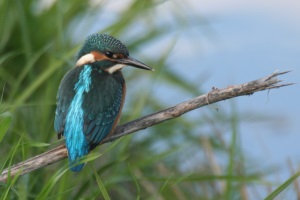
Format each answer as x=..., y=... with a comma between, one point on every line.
x=77, y=147
x=75, y=157
x=76, y=168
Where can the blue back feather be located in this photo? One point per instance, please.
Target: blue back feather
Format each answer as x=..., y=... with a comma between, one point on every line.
x=76, y=142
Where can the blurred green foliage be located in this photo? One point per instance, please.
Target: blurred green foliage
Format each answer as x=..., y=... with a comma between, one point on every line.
x=173, y=160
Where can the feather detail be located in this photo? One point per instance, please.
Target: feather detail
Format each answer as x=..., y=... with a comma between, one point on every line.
x=76, y=142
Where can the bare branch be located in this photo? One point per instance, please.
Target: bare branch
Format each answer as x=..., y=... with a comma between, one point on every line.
x=60, y=152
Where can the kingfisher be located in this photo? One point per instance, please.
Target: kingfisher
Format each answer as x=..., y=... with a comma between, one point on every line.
x=91, y=95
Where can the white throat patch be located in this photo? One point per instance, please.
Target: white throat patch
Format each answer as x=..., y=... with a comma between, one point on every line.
x=115, y=68
x=88, y=58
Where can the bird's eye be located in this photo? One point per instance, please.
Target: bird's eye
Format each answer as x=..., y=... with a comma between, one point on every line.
x=109, y=54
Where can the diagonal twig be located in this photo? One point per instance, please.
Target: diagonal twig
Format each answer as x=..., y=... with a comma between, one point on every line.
x=60, y=152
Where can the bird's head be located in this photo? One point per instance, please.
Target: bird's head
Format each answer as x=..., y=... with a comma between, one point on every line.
x=108, y=53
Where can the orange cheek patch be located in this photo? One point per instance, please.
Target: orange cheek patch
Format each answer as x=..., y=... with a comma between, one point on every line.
x=90, y=58
x=99, y=56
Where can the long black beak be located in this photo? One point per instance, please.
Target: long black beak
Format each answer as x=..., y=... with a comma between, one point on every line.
x=135, y=63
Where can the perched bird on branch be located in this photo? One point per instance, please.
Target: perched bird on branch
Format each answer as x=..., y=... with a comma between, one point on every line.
x=91, y=95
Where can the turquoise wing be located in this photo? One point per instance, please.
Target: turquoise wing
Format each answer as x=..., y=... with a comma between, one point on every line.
x=102, y=106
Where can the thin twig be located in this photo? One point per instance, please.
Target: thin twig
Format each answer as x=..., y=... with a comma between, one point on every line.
x=60, y=153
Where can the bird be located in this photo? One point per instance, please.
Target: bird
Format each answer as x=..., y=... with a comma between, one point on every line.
x=90, y=96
